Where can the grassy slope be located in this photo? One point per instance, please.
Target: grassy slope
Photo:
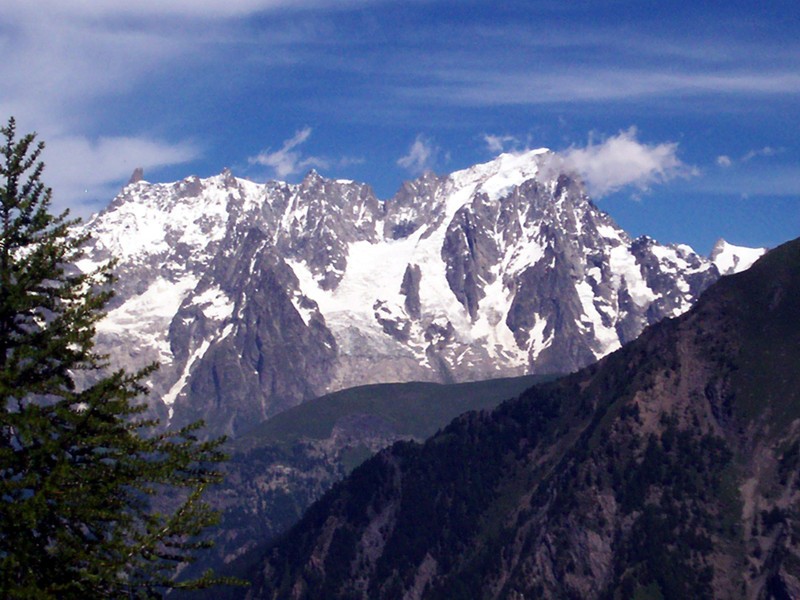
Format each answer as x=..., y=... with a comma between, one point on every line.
x=416, y=409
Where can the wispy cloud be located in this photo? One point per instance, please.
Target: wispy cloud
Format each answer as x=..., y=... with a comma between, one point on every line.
x=498, y=143
x=421, y=155
x=66, y=62
x=478, y=87
x=726, y=161
x=82, y=171
x=622, y=160
x=766, y=151
x=184, y=8
x=72, y=68
x=57, y=71
x=584, y=63
x=288, y=160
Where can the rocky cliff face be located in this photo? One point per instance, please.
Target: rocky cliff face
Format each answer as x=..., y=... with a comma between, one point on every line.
x=256, y=297
x=667, y=470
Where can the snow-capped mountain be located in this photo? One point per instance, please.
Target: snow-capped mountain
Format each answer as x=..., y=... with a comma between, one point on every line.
x=254, y=297
x=732, y=259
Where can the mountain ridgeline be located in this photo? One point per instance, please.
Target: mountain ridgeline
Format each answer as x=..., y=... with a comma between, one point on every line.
x=669, y=469
x=256, y=297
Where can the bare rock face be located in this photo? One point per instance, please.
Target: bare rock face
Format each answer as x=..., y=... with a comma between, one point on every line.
x=270, y=358
x=136, y=176
x=255, y=297
x=410, y=289
x=415, y=205
x=470, y=252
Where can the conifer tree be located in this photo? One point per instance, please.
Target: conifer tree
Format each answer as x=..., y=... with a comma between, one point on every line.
x=80, y=466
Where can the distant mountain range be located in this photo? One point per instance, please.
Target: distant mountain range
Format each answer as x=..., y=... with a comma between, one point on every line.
x=256, y=297
x=669, y=469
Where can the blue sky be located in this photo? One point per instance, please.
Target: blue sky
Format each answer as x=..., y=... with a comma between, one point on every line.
x=684, y=118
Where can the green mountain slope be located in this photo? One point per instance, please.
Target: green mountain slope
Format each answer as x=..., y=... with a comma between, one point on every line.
x=667, y=470
x=282, y=465
x=415, y=409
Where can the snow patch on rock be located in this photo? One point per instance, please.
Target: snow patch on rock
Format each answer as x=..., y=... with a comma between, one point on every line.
x=731, y=259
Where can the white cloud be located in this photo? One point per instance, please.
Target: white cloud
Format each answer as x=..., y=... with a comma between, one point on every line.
x=93, y=9
x=65, y=61
x=420, y=157
x=724, y=161
x=661, y=64
x=765, y=151
x=57, y=70
x=52, y=64
x=622, y=160
x=498, y=143
x=288, y=161
x=84, y=172
x=485, y=86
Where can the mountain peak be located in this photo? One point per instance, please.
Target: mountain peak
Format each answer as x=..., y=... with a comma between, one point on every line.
x=506, y=171
x=312, y=176
x=137, y=176
x=511, y=161
x=733, y=259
